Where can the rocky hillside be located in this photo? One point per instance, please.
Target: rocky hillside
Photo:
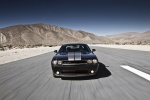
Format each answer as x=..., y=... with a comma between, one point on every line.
x=42, y=34
x=131, y=38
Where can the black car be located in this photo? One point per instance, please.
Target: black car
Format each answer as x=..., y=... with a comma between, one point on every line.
x=74, y=60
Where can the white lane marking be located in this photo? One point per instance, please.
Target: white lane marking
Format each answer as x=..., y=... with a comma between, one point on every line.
x=135, y=71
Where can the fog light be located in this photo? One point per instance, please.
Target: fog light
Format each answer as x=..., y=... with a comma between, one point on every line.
x=57, y=72
x=92, y=71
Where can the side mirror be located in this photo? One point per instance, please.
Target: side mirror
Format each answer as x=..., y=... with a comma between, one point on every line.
x=93, y=50
x=55, y=51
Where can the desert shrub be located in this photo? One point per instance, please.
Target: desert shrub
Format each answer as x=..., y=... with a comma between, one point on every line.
x=117, y=43
x=2, y=48
x=124, y=43
x=28, y=46
x=131, y=43
x=10, y=46
x=139, y=43
x=38, y=45
x=50, y=45
x=21, y=46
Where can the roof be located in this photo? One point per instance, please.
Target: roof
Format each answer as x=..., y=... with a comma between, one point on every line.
x=74, y=43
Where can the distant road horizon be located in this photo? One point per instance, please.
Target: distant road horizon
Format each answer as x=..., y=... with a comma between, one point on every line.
x=18, y=54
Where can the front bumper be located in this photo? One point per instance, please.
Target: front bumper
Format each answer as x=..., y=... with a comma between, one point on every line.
x=75, y=70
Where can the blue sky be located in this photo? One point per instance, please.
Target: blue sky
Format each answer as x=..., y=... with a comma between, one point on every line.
x=101, y=17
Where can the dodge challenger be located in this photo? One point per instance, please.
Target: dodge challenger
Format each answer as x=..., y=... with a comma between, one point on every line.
x=74, y=60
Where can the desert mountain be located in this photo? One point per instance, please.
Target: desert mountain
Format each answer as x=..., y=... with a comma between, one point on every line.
x=131, y=38
x=44, y=34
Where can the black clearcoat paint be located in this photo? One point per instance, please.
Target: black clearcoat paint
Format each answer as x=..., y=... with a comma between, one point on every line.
x=74, y=68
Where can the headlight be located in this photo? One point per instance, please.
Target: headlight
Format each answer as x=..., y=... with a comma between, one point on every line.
x=94, y=61
x=59, y=62
x=54, y=62
x=89, y=61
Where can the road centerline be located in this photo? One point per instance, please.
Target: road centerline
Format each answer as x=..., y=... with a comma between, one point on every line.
x=137, y=72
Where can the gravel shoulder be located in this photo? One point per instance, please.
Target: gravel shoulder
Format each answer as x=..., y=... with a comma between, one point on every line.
x=128, y=47
x=17, y=54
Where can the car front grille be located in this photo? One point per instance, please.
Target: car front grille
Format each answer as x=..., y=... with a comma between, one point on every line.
x=74, y=62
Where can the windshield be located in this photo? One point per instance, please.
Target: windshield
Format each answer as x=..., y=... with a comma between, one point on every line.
x=74, y=48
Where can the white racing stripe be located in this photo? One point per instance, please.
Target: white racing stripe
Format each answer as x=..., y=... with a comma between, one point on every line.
x=77, y=55
x=71, y=56
x=135, y=71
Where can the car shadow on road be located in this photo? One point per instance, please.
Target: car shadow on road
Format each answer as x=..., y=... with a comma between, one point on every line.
x=102, y=72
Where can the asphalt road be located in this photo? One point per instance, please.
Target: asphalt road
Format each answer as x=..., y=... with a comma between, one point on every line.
x=31, y=79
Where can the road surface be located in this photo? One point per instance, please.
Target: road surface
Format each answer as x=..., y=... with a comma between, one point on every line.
x=31, y=79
